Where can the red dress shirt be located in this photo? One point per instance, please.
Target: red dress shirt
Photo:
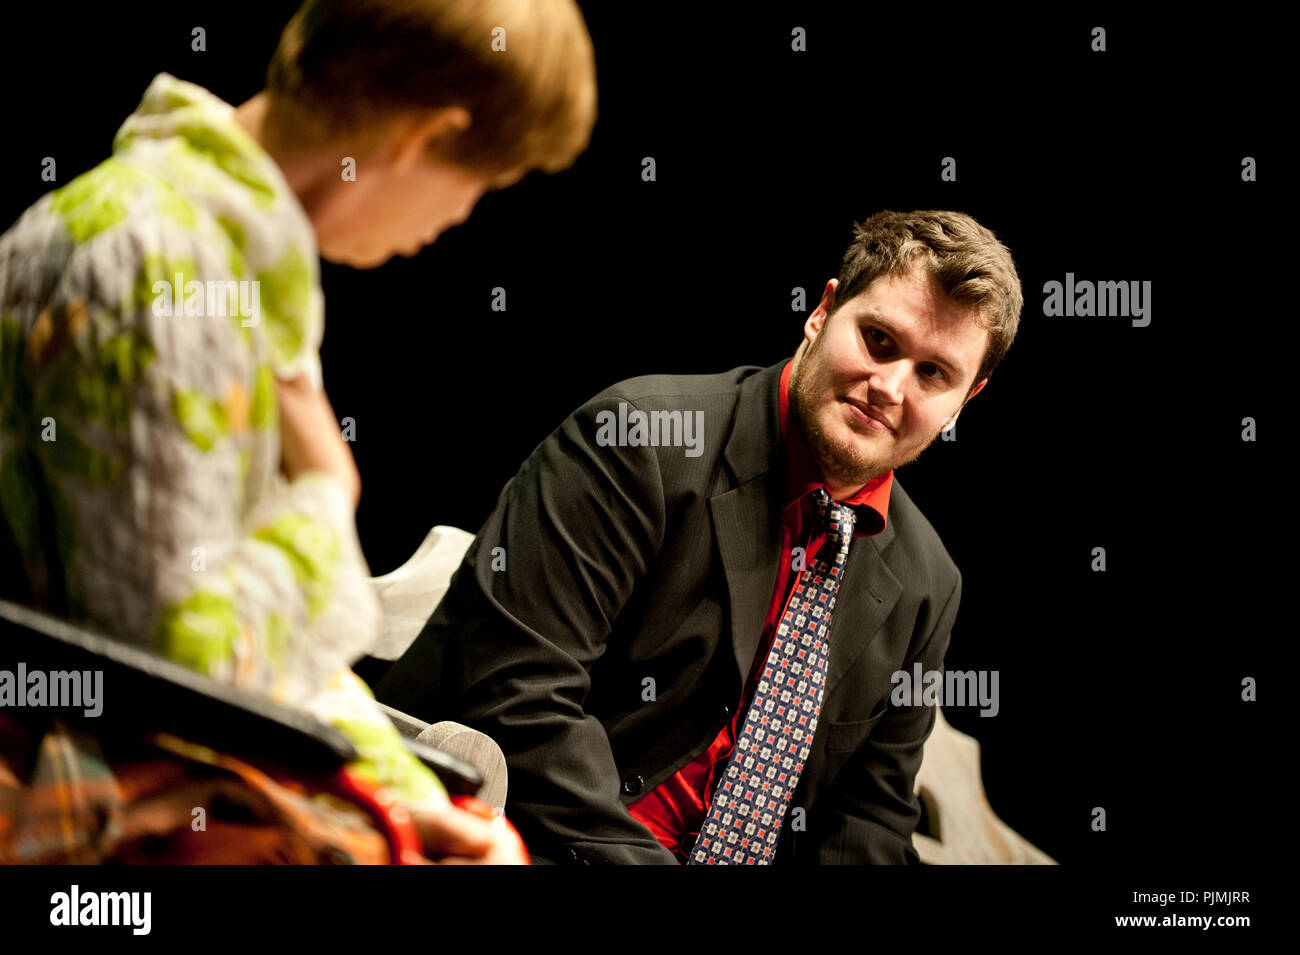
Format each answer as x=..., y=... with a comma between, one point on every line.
x=674, y=810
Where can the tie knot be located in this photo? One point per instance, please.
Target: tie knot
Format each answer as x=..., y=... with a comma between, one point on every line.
x=838, y=517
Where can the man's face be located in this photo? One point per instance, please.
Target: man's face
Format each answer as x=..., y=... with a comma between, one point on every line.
x=901, y=351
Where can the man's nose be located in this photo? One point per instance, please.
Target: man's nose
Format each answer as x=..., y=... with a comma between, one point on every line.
x=889, y=379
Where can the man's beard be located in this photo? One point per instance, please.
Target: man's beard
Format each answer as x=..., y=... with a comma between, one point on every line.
x=841, y=462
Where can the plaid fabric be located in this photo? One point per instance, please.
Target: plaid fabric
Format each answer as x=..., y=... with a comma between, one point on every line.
x=165, y=801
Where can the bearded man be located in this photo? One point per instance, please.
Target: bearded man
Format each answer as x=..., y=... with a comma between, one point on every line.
x=685, y=648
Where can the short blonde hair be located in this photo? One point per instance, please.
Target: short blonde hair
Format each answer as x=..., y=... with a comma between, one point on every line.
x=345, y=67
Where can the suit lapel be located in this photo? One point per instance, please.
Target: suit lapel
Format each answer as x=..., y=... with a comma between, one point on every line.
x=747, y=515
x=747, y=522
x=863, y=602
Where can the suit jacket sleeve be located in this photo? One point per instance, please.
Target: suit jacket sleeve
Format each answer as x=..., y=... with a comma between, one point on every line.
x=509, y=649
x=875, y=808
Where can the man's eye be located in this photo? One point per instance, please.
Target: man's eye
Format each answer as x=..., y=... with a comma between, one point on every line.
x=937, y=375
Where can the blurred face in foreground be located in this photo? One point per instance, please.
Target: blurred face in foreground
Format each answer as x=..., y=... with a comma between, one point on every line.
x=405, y=192
x=405, y=195
x=876, y=382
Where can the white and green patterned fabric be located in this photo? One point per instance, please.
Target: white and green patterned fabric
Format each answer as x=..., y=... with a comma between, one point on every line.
x=139, y=444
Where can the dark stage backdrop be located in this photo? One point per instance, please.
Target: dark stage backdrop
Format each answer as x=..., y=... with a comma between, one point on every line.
x=1119, y=689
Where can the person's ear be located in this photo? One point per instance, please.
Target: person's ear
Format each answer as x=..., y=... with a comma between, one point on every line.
x=951, y=422
x=430, y=129
x=813, y=326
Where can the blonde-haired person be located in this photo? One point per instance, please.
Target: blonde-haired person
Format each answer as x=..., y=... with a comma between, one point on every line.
x=199, y=496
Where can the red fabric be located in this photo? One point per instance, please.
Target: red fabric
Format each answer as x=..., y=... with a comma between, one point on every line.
x=674, y=810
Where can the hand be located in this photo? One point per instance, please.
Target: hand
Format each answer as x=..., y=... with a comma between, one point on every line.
x=455, y=836
x=310, y=437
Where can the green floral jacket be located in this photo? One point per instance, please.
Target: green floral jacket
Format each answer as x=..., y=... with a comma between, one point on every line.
x=146, y=309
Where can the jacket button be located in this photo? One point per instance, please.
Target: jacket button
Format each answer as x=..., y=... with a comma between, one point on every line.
x=570, y=855
x=633, y=785
x=726, y=709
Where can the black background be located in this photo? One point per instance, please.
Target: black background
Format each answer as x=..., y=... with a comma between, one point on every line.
x=1118, y=689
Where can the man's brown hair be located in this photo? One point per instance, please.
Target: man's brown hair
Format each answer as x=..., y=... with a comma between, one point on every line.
x=964, y=258
x=344, y=66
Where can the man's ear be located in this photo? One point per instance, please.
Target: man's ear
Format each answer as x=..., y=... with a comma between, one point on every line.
x=426, y=130
x=953, y=420
x=813, y=326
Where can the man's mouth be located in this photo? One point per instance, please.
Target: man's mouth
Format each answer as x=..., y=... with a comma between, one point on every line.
x=870, y=417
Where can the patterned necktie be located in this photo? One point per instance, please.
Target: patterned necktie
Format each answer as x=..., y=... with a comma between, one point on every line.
x=751, y=797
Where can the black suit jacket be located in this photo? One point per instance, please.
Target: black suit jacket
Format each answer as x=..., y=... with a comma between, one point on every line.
x=603, y=567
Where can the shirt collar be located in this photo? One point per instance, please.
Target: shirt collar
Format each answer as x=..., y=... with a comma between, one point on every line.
x=189, y=136
x=871, y=501
x=175, y=110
